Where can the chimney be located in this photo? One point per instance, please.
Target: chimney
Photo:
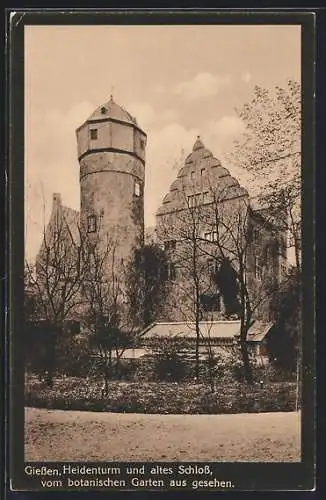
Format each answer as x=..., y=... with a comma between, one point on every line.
x=56, y=200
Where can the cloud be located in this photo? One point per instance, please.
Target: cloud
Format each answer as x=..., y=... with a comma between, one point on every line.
x=143, y=111
x=202, y=85
x=159, y=88
x=51, y=165
x=148, y=117
x=165, y=155
x=246, y=77
x=226, y=127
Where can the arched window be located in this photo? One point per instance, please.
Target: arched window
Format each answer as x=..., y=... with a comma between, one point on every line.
x=91, y=224
x=137, y=189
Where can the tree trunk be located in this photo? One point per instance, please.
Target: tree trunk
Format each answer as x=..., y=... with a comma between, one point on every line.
x=197, y=351
x=105, y=388
x=211, y=368
x=51, y=358
x=246, y=361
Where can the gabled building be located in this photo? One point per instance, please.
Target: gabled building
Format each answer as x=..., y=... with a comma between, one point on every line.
x=208, y=227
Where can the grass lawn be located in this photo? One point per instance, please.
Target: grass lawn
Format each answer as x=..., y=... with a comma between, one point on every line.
x=56, y=435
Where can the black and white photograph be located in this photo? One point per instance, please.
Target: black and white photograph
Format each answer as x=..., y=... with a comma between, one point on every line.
x=163, y=263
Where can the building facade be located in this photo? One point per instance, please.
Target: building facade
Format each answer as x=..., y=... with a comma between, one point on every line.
x=210, y=230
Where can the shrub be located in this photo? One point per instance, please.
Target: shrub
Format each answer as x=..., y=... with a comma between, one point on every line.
x=169, y=363
x=75, y=393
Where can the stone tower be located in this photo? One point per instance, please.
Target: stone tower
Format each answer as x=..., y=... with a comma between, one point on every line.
x=111, y=154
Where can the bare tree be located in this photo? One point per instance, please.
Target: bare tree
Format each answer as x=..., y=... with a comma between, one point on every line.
x=181, y=232
x=108, y=315
x=246, y=270
x=56, y=282
x=147, y=283
x=270, y=150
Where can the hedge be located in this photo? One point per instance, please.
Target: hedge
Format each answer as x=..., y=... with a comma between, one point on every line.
x=73, y=393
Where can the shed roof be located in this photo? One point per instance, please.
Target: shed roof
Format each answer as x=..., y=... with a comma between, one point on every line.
x=208, y=329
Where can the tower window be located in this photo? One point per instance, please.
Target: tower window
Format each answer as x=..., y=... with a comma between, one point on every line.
x=93, y=134
x=137, y=189
x=142, y=144
x=91, y=224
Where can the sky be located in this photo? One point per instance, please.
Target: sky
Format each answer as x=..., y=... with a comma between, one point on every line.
x=178, y=81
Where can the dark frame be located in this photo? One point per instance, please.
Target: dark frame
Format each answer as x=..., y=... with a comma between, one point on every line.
x=246, y=476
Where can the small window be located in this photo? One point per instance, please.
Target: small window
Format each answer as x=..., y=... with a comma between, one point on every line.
x=256, y=236
x=211, y=236
x=93, y=134
x=192, y=175
x=170, y=245
x=91, y=224
x=258, y=268
x=202, y=172
x=211, y=302
x=191, y=201
x=205, y=197
x=171, y=271
x=210, y=266
x=103, y=110
x=142, y=144
x=137, y=189
x=198, y=199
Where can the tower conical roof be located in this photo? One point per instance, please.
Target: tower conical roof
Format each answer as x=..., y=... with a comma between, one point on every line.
x=112, y=110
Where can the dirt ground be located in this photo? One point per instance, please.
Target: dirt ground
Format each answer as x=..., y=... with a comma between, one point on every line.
x=56, y=435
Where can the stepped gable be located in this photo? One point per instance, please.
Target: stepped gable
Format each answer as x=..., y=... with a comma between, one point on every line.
x=189, y=181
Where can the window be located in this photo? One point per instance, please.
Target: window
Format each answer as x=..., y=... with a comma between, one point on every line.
x=205, y=197
x=93, y=134
x=137, y=189
x=211, y=266
x=192, y=175
x=202, y=172
x=171, y=271
x=103, y=110
x=283, y=270
x=211, y=302
x=169, y=245
x=211, y=236
x=258, y=268
x=91, y=224
x=142, y=144
x=256, y=236
x=191, y=201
